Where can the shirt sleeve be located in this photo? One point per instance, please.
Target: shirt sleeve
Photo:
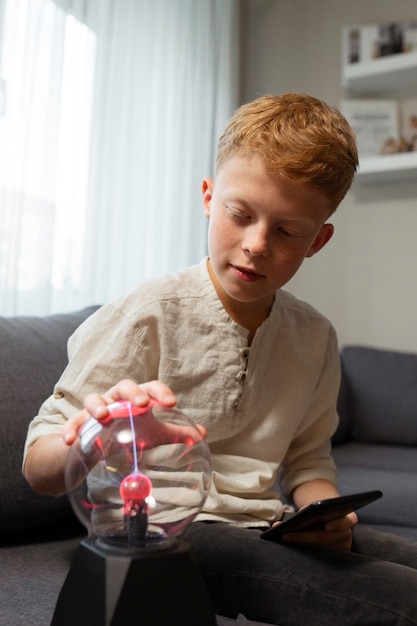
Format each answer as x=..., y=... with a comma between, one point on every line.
x=108, y=347
x=309, y=454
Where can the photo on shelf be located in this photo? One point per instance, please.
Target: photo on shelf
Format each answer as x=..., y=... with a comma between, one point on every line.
x=410, y=37
x=365, y=42
x=375, y=123
x=409, y=123
x=390, y=39
x=359, y=43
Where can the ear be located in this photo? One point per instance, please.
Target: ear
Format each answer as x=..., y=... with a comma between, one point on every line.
x=207, y=189
x=324, y=235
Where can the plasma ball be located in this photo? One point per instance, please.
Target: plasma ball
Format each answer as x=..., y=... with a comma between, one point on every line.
x=135, y=487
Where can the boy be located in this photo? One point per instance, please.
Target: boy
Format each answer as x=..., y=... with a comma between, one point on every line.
x=258, y=369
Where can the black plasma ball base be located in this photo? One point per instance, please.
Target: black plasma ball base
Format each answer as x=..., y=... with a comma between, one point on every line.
x=125, y=587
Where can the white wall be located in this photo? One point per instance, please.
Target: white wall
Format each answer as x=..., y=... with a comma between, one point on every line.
x=365, y=280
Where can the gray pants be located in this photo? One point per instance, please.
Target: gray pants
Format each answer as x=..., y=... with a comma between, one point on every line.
x=374, y=584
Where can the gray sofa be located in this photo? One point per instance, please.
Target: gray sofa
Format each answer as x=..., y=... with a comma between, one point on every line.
x=375, y=447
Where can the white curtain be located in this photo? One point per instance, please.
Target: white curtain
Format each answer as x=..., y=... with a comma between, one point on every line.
x=112, y=112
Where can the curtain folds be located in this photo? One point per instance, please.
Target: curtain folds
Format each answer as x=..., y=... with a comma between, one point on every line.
x=113, y=111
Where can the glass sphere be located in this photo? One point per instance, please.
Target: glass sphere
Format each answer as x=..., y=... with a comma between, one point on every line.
x=140, y=476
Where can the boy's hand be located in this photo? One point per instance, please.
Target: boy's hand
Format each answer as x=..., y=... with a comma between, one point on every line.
x=97, y=405
x=336, y=534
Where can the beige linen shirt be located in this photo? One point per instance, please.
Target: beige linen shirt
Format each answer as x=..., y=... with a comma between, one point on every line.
x=269, y=409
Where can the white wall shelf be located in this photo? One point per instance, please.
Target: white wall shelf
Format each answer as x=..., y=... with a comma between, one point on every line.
x=390, y=76
x=388, y=168
x=394, y=73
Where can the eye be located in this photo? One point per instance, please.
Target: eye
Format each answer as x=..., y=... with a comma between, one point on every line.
x=286, y=233
x=237, y=215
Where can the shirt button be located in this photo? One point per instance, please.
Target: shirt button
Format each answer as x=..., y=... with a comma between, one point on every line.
x=244, y=352
x=58, y=395
x=241, y=376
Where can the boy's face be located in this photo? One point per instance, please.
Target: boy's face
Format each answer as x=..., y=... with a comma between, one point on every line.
x=261, y=229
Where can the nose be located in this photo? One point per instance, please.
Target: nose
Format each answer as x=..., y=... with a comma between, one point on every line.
x=255, y=241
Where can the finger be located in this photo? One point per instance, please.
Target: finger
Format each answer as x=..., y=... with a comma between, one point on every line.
x=202, y=430
x=140, y=395
x=342, y=523
x=96, y=405
x=73, y=425
x=126, y=389
x=157, y=390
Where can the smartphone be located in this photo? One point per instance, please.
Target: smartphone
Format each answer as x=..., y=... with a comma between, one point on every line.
x=318, y=513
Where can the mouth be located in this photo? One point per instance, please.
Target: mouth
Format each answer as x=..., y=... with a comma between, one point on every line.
x=246, y=274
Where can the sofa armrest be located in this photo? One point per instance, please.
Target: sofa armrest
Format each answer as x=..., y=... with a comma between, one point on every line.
x=33, y=356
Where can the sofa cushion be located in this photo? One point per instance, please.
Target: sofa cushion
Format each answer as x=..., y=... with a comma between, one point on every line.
x=381, y=395
x=33, y=355
x=392, y=469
